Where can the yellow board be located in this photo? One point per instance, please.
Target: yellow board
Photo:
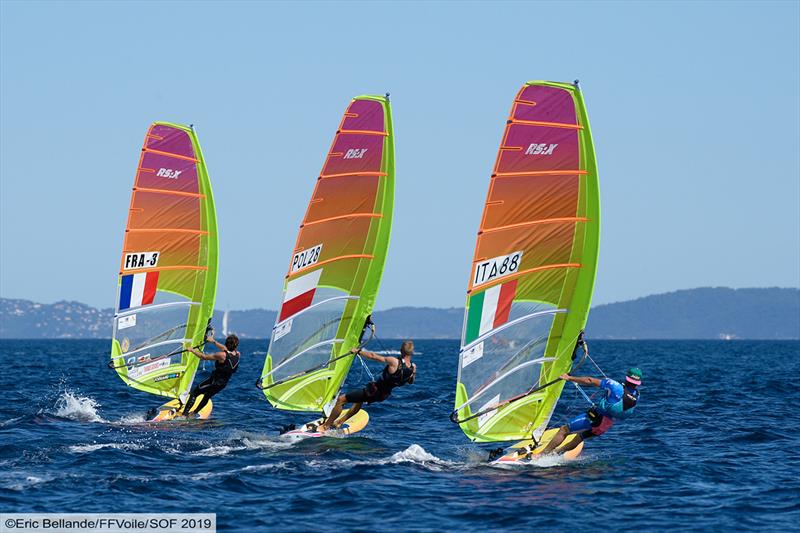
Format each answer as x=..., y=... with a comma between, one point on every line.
x=173, y=410
x=355, y=424
x=521, y=451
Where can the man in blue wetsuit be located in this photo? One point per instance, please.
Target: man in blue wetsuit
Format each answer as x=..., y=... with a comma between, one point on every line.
x=618, y=402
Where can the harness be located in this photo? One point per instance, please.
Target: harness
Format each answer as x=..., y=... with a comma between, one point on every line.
x=621, y=409
x=228, y=367
x=398, y=378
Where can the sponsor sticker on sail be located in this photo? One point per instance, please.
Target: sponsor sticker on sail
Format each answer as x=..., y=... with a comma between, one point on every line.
x=142, y=370
x=125, y=322
x=172, y=375
x=282, y=329
x=472, y=355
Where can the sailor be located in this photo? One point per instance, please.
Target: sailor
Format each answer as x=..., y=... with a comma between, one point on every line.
x=226, y=362
x=618, y=402
x=399, y=371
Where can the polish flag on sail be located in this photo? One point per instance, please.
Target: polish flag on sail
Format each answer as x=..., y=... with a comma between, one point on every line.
x=299, y=294
x=137, y=289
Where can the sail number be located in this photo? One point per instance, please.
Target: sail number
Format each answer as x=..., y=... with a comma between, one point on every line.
x=496, y=267
x=306, y=258
x=140, y=260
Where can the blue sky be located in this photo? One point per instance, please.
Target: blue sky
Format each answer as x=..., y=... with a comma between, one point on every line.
x=694, y=111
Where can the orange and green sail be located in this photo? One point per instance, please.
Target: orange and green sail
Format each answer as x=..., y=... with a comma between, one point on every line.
x=168, y=270
x=337, y=263
x=534, y=267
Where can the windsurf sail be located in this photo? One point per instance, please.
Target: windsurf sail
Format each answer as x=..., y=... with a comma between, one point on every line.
x=337, y=263
x=534, y=267
x=168, y=272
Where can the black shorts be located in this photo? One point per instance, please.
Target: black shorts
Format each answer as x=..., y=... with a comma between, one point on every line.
x=371, y=393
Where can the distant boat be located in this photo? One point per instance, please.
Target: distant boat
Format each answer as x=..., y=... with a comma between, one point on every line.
x=168, y=271
x=225, y=331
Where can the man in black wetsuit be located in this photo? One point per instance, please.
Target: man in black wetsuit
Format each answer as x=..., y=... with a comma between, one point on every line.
x=399, y=371
x=226, y=362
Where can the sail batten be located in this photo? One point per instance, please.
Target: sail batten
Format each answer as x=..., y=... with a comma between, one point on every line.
x=534, y=266
x=336, y=264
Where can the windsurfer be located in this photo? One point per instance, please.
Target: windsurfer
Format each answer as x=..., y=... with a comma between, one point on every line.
x=399, y=371
x=619, y=401
x=226, y=363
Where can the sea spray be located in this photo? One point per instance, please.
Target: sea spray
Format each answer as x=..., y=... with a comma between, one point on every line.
x=76, y=407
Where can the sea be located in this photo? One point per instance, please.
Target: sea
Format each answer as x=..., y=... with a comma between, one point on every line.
x=714, y=446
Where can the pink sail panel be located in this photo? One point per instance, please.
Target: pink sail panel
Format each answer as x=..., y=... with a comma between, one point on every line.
x=529, y=148
x=364, y=115
x=168, y=161
x=538, y=103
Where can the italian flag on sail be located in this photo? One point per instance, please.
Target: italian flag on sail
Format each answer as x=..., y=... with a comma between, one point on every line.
x=489, y=309
x=299, y=294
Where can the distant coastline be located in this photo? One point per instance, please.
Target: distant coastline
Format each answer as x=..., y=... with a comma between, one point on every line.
x=702, y=313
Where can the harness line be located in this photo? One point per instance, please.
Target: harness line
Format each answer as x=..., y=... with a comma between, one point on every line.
x=364, y=365
x=588, y=399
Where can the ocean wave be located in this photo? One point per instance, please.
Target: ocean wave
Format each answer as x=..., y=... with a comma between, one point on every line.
x=88, y=448
x=414, y=454
x=10, y=421
x=216, y=451
x=241, y=441
x=236, y=471
x=19, y=481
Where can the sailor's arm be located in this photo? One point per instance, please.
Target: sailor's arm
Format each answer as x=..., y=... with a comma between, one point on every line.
x=220, y=346
x=370, y=355
x=586, y=381
x=216, y=356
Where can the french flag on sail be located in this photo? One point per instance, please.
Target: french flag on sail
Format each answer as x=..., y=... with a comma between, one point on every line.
x=299, y=294
x=138, y=289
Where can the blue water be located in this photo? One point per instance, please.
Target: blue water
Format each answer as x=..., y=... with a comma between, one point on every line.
x=714, y=445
